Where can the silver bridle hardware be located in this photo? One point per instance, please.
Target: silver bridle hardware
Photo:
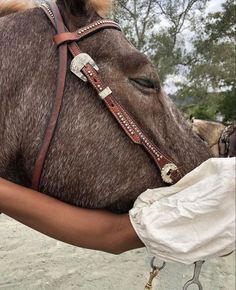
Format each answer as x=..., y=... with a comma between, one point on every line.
x=79, y=62
x=166, y=172
x=105, y=93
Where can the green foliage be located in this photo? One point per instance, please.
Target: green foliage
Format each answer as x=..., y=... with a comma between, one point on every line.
x=227, y=106
x=142, y=22
x=138, y=19
x=211, y=77
x=199, y=112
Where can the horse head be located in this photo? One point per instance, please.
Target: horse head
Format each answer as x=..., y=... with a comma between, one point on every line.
x=90, y=162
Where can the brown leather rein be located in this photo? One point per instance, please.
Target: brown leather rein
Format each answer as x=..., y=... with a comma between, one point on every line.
x=85, y=68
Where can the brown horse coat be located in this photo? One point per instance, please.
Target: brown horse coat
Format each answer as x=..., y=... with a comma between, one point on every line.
x=91, y=162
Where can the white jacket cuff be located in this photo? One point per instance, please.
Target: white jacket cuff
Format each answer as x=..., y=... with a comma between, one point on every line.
x=193, y=219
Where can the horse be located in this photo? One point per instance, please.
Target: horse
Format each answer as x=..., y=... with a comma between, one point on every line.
x=90, y=163
x=217, y=136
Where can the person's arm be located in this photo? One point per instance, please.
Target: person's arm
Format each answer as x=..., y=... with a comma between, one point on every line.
x=92, y=229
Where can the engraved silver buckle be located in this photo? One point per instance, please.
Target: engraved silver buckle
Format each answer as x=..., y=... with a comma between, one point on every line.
x=79, y=62
x=166, y=172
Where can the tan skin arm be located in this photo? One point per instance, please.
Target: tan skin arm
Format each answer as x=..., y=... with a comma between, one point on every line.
x=92, y=229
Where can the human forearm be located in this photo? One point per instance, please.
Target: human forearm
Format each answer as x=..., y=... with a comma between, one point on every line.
x=92, y=229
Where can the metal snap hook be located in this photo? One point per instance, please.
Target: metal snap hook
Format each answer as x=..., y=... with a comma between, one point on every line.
x=155, y=266
x=153, y=274
x=195, y=280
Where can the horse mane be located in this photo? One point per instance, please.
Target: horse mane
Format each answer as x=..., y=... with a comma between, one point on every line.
x=13, y=6
x=102, y=7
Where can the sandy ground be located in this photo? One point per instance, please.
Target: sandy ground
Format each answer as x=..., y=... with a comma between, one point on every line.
x=29, y=260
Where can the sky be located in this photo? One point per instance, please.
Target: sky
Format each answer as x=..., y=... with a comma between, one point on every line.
x=213, y=6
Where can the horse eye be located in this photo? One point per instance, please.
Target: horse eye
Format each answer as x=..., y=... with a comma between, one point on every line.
x=144, y=83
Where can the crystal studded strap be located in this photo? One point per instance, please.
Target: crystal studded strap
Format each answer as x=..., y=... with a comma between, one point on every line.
x=48, y=12
x=85, y=31
x=170, y=172
x=85, y=68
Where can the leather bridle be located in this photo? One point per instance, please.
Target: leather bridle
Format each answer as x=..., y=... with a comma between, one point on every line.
x=85, y=68
x=225, y=144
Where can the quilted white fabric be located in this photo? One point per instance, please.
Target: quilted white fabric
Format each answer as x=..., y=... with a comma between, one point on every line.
x=193, y=219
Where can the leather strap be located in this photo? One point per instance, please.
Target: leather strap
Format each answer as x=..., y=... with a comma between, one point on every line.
x=58, y=100
x=171, y=173
x=226, y=144
x=128, y=124
x=85, y=31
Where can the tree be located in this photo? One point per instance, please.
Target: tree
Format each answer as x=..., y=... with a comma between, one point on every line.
x=211, y=76
x=156, y=27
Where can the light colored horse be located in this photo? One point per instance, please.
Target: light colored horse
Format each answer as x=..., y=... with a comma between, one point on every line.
x=213, y=134
x=210, y=132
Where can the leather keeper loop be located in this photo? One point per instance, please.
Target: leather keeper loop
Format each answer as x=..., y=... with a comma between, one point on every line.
x=65, y=37
x=68, y=37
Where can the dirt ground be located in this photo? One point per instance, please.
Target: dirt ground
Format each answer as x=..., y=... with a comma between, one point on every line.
x=31, y=261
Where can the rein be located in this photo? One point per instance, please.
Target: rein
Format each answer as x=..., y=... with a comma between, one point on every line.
x=85, y=68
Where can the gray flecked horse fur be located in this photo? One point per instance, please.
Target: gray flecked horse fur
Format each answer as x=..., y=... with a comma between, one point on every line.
x=91, y=162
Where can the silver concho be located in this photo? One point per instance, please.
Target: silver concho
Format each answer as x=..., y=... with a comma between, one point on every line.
x=166, y=172
x=79, y=62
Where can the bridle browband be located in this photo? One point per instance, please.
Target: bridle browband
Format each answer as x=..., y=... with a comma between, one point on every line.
x=85, y=68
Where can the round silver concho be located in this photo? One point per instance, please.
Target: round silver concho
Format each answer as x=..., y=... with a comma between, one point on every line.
x=166, y=172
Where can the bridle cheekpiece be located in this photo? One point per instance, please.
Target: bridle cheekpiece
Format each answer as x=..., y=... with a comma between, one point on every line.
x=86, y=69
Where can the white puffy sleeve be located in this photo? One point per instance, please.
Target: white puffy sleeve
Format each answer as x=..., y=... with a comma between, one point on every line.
x=193, y=219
